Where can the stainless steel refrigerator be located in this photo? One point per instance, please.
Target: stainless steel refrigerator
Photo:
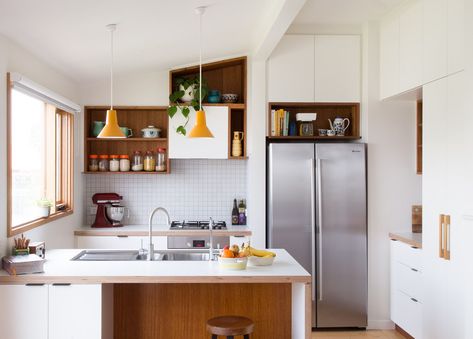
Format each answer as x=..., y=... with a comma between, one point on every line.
x=316, y=210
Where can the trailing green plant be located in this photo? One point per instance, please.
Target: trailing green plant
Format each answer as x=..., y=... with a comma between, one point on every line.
x=177, y=106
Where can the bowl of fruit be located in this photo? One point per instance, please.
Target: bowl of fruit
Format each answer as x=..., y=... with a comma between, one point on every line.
x=233, y=258
x=259, y=257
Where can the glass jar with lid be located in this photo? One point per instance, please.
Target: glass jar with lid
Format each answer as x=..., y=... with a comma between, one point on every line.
x=149, y=162
x=103, y=163
x=124, y=163
x=137, y=162
x=93, y=163
x=161, y=160
x=114, y=163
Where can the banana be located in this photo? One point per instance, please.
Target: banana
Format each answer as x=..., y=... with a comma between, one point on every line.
x=261, y=253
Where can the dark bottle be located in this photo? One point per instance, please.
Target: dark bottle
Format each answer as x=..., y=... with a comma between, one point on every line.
x=242, y=213
x=235, y=213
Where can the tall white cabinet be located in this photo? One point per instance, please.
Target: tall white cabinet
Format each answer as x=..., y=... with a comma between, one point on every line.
x=447, y=168
x=320, y=68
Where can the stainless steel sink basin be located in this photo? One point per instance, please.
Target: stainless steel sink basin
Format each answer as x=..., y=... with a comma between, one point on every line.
x=132, y=255
x=109, y=255
x=184, y=256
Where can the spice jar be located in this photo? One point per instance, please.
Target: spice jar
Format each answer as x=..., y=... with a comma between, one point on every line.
x=137, y=162
x=114, y=163
x=124, y=163
x=161, y=160
x=103, y=163
x=149, y=162
x=93, y=163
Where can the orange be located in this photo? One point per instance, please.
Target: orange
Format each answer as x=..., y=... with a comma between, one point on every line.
x=227, y=254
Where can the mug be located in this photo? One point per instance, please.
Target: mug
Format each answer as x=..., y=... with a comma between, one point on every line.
x=97, y=127
x=322, y=132
x=330, y=133
x=127, y=131
x=237, y=135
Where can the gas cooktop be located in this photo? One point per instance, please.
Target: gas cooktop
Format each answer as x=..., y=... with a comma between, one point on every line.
x=197, y=225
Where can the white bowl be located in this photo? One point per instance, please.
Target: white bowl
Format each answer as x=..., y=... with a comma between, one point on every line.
x=236, y=264
x=261, y=261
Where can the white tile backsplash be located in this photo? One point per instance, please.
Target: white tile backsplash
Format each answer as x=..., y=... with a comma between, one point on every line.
x=195, y=189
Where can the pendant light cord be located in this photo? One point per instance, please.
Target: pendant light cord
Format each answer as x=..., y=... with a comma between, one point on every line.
x=200, y=60
x=111, y=68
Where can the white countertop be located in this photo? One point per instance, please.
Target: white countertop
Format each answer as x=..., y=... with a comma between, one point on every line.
x=60, y=269
x=158, y=230
x=410, y=238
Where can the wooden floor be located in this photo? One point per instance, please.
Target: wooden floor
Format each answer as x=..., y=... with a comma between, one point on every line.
x=385, y=334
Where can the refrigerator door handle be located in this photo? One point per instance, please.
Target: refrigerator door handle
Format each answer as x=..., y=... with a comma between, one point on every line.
x=320, y=226
x=313, y=226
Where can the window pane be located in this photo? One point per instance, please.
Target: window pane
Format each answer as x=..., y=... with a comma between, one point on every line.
x=28, y=156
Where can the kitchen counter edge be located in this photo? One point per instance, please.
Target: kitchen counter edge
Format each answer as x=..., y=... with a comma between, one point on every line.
x=409, y=238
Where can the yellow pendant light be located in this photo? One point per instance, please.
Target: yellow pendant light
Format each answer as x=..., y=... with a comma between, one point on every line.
x=111, y=128
x=200, y=129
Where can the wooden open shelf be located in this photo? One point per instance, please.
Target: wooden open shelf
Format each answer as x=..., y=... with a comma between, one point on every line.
x=226, y=76
x=324, y=112
x=134, y=117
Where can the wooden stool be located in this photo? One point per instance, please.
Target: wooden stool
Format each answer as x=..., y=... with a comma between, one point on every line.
x=230, y=326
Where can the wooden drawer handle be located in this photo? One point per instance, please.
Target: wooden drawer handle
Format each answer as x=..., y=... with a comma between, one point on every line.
x=441, y=227
x=447, y=238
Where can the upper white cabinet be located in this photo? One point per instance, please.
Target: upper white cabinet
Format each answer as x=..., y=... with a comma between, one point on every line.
x=410, y=47
x=337, y=68
x=307, y=68
x=389, y=56
x=24, y=311
x=421, y=41
x=291, y=70
x=182, y=147
x=434, y=39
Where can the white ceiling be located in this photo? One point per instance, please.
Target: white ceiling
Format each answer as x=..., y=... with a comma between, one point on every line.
x=154, y=34
x=151, y=34
x=343, y=12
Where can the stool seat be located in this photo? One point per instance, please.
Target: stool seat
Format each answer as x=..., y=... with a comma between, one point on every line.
x=230, y=325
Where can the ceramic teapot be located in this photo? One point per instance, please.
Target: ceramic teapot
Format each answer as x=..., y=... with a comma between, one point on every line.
x=151, y=132
x=339, y=125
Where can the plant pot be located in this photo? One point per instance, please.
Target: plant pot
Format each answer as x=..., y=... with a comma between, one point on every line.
x=44, y=211
x=189, y=93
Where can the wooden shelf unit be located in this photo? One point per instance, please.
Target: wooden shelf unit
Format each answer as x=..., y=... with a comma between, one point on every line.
x=324, y=112
x=419, y=137
x=226, y=76
x=134, y=117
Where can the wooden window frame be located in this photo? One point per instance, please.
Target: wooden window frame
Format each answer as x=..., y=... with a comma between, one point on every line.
x=64, y=206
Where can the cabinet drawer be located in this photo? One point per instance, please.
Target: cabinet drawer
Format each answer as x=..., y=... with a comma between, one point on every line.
x=407, y=280
x=406, y=254
x=406, y=313
x=118, y=242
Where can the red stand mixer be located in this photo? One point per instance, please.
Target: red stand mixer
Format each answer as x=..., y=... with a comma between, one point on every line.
x=109, y=212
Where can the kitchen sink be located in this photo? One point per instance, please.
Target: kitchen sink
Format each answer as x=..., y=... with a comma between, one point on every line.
x=184, y=256
x=109, y=255
x=132, y=255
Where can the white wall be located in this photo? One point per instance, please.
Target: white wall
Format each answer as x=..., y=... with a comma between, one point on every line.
x=393, y=185
x=15, y=59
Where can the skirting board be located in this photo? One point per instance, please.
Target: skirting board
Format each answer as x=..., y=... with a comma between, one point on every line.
x=380, y=325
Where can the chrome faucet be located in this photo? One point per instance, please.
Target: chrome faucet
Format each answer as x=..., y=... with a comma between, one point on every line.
x=211, y=240
x=168, y=220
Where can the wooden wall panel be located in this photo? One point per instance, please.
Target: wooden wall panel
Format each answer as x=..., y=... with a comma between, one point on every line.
x=177, y=311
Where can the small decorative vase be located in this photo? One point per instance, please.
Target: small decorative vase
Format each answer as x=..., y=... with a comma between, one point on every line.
x=236, y=144
x=189, y=93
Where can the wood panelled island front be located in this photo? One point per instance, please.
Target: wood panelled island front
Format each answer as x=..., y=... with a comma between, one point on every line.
x=174, y=299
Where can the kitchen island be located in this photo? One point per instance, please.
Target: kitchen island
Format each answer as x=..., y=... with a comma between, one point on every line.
x=173, y=299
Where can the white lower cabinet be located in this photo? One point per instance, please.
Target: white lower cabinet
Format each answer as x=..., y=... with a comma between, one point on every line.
x=43, y=311
x=406, y=288
x=24, y=311
x=75, y=311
